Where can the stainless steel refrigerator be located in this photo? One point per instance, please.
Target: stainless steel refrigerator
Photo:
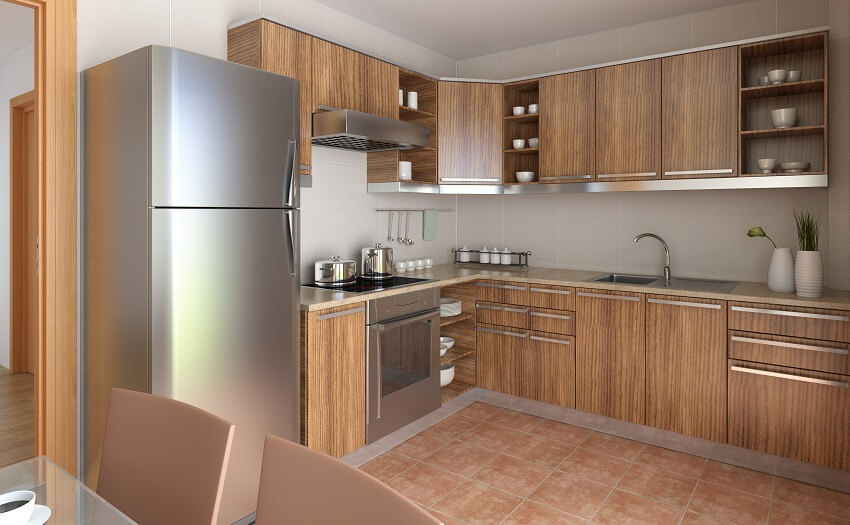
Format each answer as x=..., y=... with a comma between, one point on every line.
x=191, y=248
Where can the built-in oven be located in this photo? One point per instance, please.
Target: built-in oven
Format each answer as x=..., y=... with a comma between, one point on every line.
x=402, y=360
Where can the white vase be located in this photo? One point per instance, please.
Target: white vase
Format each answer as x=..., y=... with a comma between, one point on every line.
x=780, y=275
x=808, y=274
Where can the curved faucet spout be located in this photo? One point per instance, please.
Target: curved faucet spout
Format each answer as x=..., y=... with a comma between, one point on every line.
x=667, y=276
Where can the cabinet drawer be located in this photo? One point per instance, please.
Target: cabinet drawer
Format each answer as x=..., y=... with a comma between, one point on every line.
x=789, y=351
x=552, y=297
x=811, y=323
x=501, y=292
x=497, y=314
x=552, y=321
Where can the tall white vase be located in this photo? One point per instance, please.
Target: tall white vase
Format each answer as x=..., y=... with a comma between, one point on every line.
x=808, y=274
x=780, y=275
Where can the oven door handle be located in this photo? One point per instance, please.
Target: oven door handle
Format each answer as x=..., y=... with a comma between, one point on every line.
x=383, y=327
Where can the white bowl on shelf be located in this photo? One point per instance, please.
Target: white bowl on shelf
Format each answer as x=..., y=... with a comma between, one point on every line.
x=783, y=117
x=447, y=374
x=777, y=76
x=767, y=165
x=525, y=176
x=794, y=167
x=448, y=341
x=794, y=75
x=443, y=349
x=449, y=307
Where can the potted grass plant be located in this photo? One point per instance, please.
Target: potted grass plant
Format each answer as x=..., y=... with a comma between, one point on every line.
x=808, y=270
x=780, y=274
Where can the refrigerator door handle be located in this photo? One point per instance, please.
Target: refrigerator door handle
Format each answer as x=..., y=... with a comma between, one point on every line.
x=290, y=182
x=291, y=227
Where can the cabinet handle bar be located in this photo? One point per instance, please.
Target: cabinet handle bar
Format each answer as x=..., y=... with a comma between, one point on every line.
x=546, y=290
x=685, y=303
x=789, y=376
x=699, y=172
x=788, y=313
x=613, y=175
x=551, y=316
x=606, y=296
x=341, y=313
x=500, y=286
x=502, y=308
x=783, y=344
x=500, y=332
x=550, y=340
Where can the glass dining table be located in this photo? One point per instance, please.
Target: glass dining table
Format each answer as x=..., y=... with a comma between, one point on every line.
x=70, y=501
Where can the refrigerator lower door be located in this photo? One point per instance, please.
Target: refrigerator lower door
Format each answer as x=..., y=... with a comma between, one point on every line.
x=225, y=328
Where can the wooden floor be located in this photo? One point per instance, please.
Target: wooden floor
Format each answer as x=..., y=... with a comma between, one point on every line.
x=16, y=417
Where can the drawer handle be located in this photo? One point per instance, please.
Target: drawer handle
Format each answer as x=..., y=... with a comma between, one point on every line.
x=551, y=316
x=606, y=296
x=788, y=313
x=799, y=346
x=612, y=175
x=550, y=340
x=500, y=286
x=340, y=313
x=685, y=303
x=502, y=308
x=499, y=332
x=461, y=179
x=546, y=290
x=567, y=177
x=789, y=376
x=699, y=172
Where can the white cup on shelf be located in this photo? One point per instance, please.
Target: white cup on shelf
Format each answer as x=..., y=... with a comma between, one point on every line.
x=518, y=143
x=400, y=97
x=405, y=170
x=532, y=109
x=413, y=100
x=518, y=110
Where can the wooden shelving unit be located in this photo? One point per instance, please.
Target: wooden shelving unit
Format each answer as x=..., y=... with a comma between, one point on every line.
x=523, y=151
x=789, y=88
x=462, y=329
x=464, y=378
x=520, y=127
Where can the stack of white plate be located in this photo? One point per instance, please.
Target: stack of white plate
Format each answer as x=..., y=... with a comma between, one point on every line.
x=449, y=307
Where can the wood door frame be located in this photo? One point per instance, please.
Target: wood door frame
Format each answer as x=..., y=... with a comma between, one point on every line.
x=56, y=118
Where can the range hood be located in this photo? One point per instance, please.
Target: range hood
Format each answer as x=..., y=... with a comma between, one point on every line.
x=353, y=130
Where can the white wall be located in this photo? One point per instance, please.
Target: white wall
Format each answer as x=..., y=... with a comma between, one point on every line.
x=16, y=78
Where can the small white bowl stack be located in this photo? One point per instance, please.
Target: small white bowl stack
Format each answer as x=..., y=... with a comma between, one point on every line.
x=449, y=307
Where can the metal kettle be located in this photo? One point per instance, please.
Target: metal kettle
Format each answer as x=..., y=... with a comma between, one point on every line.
x=377, y=262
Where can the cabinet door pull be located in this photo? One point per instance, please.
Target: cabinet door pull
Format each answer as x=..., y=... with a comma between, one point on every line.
x=500, y=286
x=700, y=172
x=499, y=332
x=738, y=338
x=550, y=340
x=614, y=175
x=340, y=313
x=551, y=316
x=792, y=377
x=461, y=179
x=502, y=308
x=788, y=313
x=685, y=303
x=567, y=177
x=546, y=290
x=606, y=296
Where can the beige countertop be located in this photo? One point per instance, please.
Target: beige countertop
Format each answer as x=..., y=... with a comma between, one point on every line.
x=447, y=274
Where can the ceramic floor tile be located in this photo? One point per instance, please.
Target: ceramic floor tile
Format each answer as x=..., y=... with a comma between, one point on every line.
x=624, y=508
x=514, y=475
x=475, y=502
x=562, y=432
x=657, y=484
x=576, y=496
x=462, y=458
x=447, y=520
x=516, y=420
x=546, y=452
x=692, y=518
x=739, y=478
x=613, y=445
x=422, y=445
x=678, y=462
x=595, y=466
x=387, y=466
x=491, y=436
x=530, y=513
x=728, y=504
x=785, y=514
x=455, y=425
x=811, y=497
x=425, y=484
x=481, y=411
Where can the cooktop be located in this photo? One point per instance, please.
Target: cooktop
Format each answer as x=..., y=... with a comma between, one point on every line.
x=363, y=286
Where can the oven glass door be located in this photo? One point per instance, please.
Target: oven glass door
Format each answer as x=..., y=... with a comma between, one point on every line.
x=405, y=356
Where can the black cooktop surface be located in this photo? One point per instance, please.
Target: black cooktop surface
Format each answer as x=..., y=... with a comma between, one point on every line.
x=362, y=286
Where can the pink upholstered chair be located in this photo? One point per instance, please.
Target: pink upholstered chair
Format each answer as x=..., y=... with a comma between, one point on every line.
x=163, y=461
x=300, y=486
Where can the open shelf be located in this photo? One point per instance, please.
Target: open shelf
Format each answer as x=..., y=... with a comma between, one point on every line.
x=456, y=352
x=523, y=118
x=523, y=151
x=789, y=88
x=408, y=114
x=779, y=174
x=464, y=378
x=448, y=321
x=798, y=131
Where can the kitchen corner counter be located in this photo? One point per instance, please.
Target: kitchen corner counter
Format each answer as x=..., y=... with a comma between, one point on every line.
x=448, y=274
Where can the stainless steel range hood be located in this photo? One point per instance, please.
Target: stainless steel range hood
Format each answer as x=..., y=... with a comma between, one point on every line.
x=353, y=130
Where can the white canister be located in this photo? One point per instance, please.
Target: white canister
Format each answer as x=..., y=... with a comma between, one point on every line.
x=494, y=256
x=505, y=256
x=485, y=256
x=411, y=266
x=413, y=100
x=532, y=109
x=405, y=170
x=420, y=264
x=429, y=263
x=808, y=273
x=400, y=97
x=780, y=275
x=463, y=255
x=400, y=267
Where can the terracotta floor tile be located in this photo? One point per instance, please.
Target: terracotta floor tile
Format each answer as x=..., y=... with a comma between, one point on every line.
x=516, y=476
x=595, y=466
x=425, y=484
x=678, y=462
x=387, y=466
x=785, y=514
x=562, y=432
x=657, y=484
x=692, y=518
x=728, y=504
x=422, y=445
x=739, y=478
x=613, y=445
x=576, y=496
x=455, y=425
x=547, y=452
x=491, y=436
x=461, y=458
x=475, y=502
x=481, y=411
x=811, y=497
x=516, y=420
x=624, y=508
x=447, y=520
x=530, y=513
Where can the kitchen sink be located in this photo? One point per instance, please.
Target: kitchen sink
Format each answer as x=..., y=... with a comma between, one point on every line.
x=625, y=279
x=696, y=285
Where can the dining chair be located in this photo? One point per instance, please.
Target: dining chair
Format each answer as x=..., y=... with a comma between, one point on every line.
x=163, y=461
x=299, y=485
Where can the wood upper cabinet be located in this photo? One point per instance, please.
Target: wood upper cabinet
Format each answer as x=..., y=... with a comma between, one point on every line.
x=686, y=366
x=610, y=354
x=548, y=369
x=470, y=138
x=568, y=127
x=498, y=353
x=628, y=121
x=699, y=114
x=338, y=77
x=380, y=87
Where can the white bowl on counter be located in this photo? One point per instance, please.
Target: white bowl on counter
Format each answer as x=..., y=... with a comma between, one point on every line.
x=447, y=374
x=449, y=307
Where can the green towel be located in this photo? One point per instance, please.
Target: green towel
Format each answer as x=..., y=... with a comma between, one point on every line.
x=429, y=225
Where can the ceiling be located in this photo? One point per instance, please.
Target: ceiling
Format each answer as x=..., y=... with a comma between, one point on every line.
x=16, y=28
x=466, y=28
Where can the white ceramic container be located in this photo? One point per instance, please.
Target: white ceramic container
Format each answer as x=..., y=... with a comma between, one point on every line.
x=524, y=176
x=400, y=267
x=420, y=264
x=794, y=75
x=780, y=275
x=777, y=76
x=518, y=143
x=505, y=257
x=413, y=100
x=400, y=97
x=518, y=110
x=534, y=142
x=447, y=374
x=784, y=117
x=448, y=341
x=532, y=109
x=808, y=274
x=485, y=256
x=405, y=170
x=463, y=256
x=767, y=165
x=429, y=263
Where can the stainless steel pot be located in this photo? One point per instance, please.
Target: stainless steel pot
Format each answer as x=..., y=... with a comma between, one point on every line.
x=377, y=262
x=335, y=272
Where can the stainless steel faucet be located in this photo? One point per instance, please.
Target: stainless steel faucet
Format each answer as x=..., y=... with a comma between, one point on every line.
x=666, y=254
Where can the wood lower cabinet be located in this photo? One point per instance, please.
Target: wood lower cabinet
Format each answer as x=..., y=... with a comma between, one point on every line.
x=333, y=379
x=686, y=366
x=470, y=138
x=568, y=127
x=498, y=352
x=548, y=369
x=611, y=354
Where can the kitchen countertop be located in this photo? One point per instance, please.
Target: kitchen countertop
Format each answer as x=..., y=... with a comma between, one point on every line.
x=448, y=274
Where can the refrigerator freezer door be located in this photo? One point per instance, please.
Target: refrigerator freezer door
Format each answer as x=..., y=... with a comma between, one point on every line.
x=225, y=328
x=223, y=135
